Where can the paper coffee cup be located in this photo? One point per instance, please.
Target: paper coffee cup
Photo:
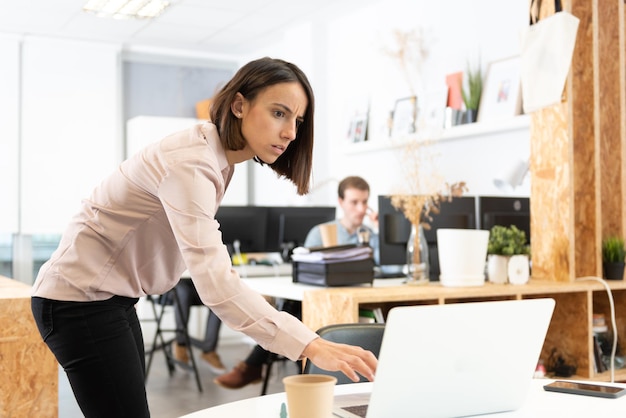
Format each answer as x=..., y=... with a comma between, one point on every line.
x=329, y=234
x=310, y=395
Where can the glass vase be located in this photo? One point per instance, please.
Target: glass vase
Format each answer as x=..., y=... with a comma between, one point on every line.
x=417, y=267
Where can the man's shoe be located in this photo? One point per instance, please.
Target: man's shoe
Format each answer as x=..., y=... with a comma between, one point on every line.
x=214, y=362
x=242, y=375
x=180, y=352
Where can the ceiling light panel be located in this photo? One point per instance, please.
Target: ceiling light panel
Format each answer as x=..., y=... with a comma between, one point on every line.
x=126, y=9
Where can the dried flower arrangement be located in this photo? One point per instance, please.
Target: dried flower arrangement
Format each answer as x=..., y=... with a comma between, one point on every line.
x=423, y=188
x=418, y=208
x=422, y=195
x=410, y=53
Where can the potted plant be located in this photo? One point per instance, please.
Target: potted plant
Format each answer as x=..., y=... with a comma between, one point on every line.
x=471, y=93
x=507, y=258
x=613, y=254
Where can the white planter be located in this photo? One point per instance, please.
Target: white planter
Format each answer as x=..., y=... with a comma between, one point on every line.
x=497, y=268
x=462, y=255
x=519, y=269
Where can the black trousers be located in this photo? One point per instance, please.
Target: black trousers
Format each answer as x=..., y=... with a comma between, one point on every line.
x=100, y=346
x=188, y=297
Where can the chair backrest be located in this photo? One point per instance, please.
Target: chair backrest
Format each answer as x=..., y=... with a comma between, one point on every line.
x=367, y=336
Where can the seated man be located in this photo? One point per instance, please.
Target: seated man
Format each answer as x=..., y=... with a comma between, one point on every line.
x=353, y=194
x=188, y=297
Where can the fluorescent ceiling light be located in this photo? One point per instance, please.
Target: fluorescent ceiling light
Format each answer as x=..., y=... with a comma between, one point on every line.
x=126, y=9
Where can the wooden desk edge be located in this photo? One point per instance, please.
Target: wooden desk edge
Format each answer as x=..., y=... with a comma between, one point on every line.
x=335, y=305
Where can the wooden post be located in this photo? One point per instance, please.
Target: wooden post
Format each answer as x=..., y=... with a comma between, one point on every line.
x=578, y=150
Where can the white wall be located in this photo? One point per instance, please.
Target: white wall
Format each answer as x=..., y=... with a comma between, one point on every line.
x=60, y=108
x=345, y=60
x=71, y=107
x=9, y=133
x=70, y=127
x=455, y=32
x=305, y=46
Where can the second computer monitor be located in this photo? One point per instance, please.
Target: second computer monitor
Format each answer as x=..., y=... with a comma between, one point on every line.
x=288, y=226
x=245, y=225
x=505, y=211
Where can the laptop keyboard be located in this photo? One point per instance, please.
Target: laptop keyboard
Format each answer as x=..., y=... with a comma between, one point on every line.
x=360, y=410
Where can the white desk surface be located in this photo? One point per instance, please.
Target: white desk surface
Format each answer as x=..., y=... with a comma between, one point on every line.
x=276, y=281
x=258, y=270
x=284, y=287
x=539, y=404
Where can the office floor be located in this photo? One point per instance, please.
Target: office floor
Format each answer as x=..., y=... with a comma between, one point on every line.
x=178, y=395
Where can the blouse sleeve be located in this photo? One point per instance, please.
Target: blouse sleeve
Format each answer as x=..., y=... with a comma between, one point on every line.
x=189, y=193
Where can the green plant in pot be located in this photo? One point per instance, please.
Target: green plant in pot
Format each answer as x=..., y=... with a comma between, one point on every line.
x=613, y=255
x=508, y=255
x=471, y=93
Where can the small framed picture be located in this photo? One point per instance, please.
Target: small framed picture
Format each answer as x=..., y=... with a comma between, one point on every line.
x=501, y=96
x=432, y=109
x=358, y=129
x=404, y=119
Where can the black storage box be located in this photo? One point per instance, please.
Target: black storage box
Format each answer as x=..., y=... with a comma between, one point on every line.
x=343, y=273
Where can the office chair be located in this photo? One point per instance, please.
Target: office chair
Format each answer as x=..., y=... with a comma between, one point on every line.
x=271, y=360
x=159, y=305
x=367, y=336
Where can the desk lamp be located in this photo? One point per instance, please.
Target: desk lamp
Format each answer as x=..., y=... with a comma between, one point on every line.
x=514, y=177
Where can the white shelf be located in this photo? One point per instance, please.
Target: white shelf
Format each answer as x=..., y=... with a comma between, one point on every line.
x=459, y=132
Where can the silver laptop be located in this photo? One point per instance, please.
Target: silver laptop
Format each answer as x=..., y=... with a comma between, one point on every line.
x=455, y=360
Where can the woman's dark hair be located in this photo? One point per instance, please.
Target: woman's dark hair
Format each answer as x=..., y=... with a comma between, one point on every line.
x=251, y=79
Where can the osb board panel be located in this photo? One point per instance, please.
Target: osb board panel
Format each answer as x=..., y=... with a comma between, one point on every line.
x=339, y=305
x=582, y=93
x=551, y=202
x=565, y=167
x=569, y=334
x=10, y=289
x=28, y=370
x=29, y=386
x=323, y=308
x=622, y=88
x=601, y=305
x=610, y=82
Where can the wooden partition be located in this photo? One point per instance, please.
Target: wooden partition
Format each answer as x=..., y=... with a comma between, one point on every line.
x=570, y=333
x=28, y=370
x=578, y=150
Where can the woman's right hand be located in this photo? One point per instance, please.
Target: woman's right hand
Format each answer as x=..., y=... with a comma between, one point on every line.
x=348, y=359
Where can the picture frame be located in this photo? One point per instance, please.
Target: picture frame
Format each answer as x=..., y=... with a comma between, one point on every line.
x=432, y=109
x=501, y=97
x=358, y=129
x=404, y=120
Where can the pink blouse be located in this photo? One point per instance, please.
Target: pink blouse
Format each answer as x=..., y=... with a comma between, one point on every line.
x=149, y=221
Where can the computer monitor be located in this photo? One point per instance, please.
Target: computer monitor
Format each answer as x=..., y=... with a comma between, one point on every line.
x=393, y=233
x=288, y=226
x=246, y=224
x=505, y=211
x=394, y=229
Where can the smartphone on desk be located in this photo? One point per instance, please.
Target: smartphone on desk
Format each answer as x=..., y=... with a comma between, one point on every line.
x=588, y=389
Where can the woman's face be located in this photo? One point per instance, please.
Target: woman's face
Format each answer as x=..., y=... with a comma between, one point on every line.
x=270, y=122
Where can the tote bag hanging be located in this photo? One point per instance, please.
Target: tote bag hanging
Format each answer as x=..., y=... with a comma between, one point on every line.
x=547, y=48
